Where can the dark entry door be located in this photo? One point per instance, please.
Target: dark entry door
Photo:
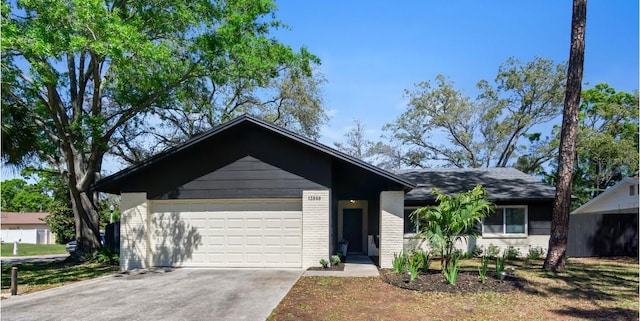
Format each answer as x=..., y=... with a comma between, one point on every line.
x=352, y=228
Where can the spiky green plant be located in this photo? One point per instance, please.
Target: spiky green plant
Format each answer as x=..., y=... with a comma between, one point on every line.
x=451, y=271
x=399, y=262
x=500, y=263
x=483, y=269
x=413, y=266
x=454, y=218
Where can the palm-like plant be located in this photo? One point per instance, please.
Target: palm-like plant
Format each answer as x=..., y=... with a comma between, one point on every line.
x=454, y=218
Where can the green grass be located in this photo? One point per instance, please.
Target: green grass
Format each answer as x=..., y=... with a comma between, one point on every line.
x=44, y=275
x=6, y=249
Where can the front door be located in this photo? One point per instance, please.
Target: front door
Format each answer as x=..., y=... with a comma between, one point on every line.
x=352, y=228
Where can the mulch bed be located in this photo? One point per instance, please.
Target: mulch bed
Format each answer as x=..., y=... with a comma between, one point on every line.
x=467, y=282
x=339, y=267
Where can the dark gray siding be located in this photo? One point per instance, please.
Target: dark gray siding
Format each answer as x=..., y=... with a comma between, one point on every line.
x=540, y=218
x=603, y=235
x=163, y=179
x=247, y=177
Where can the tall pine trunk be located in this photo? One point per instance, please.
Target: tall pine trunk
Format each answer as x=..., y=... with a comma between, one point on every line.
x=556, y=255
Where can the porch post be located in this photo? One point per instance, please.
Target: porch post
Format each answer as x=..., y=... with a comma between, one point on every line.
x=391, y=226
x=316, y=212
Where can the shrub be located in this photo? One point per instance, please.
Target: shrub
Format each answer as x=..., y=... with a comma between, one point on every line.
x=104, y=256
x=324, y=263
x=484, y=267
x=461, y=254
x=476, y=251
x=536, y=253
x=492, y=251
x=399, y=262
x=335, y=260
x=451, y=271
x=512, y=253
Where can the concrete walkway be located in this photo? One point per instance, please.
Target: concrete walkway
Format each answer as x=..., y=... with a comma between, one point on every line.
x=355, y=266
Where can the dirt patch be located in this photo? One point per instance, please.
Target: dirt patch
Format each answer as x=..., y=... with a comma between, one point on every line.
x=590, y=289
x=467, y=282
x=338, y=267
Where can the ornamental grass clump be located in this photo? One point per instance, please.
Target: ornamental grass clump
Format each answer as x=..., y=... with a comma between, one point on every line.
x=500, y=263
x=483, y=269
x=423, y=258
x=451, y=271
x=399, y=262
x=413, y=267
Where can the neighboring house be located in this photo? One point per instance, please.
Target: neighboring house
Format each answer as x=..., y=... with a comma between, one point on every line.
x=621, y=198
x=524, y=205
x=252, y=194
x=25, y=228
x=607, y=225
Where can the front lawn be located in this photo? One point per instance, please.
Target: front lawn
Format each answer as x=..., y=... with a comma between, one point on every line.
x=43, y=275
x=6, y=249
x=589, y=289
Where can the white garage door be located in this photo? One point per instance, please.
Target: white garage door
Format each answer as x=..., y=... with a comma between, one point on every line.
x=233, y=233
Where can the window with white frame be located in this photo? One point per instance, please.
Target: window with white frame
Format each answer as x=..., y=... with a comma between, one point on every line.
x=506, y=220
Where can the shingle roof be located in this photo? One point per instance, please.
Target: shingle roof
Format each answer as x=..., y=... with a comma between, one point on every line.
x=502, y=184
x=22, y=218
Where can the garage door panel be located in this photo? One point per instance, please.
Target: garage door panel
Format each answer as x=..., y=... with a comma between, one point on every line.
x=229, y=235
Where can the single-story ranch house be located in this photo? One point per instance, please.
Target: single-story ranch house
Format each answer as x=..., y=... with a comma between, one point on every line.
x=252, y=194
x=27, y=227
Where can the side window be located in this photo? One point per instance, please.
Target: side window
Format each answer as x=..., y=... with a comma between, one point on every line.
x=507, y=220
x=409, y=225
x=494, y=222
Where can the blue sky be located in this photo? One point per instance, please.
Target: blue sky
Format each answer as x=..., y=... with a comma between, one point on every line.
x=372, y=51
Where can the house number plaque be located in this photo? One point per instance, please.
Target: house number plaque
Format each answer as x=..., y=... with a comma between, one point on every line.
x=314, y=198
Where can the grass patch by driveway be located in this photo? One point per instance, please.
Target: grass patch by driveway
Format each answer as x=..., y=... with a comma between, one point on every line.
x=38, y=276
x=590, y=289
x=6, y=249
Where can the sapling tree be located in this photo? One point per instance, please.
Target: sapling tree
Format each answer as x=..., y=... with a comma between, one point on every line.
x=454, y=218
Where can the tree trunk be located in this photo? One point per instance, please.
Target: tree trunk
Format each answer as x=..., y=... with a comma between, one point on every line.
x=87, y=221
x=556, y=254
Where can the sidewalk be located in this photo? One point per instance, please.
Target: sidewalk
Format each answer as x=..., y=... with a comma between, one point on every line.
x=356, y=266
x=36, y=258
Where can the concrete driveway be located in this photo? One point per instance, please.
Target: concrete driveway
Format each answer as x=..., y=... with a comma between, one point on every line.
x=181, y=294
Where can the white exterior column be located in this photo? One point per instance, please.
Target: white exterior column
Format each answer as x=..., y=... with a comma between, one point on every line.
x=316, y=208
x=391, y=226
x=134, y=231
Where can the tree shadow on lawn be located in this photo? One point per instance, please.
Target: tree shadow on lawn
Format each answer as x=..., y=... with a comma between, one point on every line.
x=600, y=313
x=595, y=280
x=50, y=274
